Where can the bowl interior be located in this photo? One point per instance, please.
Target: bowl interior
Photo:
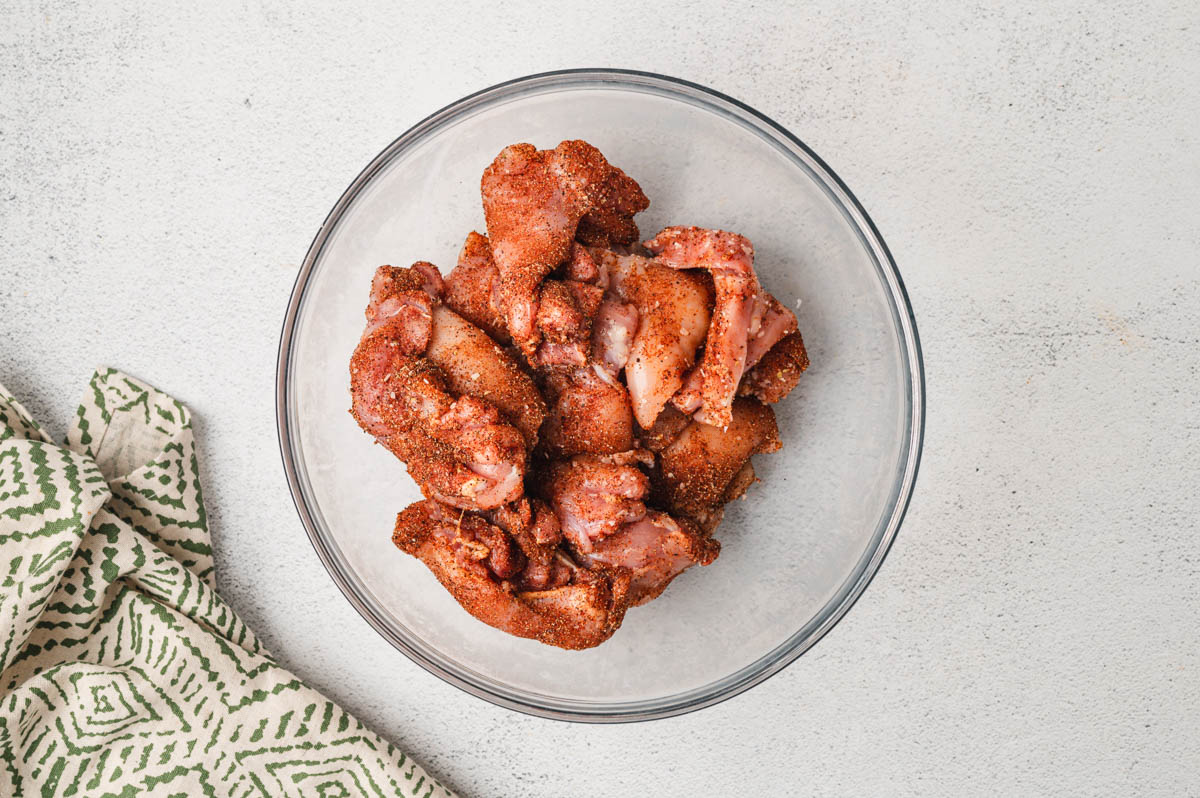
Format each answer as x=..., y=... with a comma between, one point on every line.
x=803, y=534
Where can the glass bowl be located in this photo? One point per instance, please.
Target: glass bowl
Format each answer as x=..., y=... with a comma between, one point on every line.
x=808, y=538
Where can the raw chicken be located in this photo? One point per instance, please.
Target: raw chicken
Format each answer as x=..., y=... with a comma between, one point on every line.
x=613, y=331
x=475, y=365
x=564, y=322
x=601, y=509
x=458, y=446
x=477, y=562
x=594, y=496
x=672, y=309
x=697, y=468
x=778, y=372
x=565, y=307
x=472, y=288
x=654, y=550
x=588, y=413
x=737, y=312
x=535, y=529
x=566, y=402
x=533, y=202
x=777, y=323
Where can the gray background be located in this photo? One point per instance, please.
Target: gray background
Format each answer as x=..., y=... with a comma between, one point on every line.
x=1035, y=169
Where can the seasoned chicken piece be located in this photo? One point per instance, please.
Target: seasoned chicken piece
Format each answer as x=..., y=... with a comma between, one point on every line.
x=438, y=469
x=673, y=310
x=535, y=529
x=654, y=549
x=778, y=372
x=777, y=323
x=594, y=496
x=565, y=308
x=587, y=413
x=533, y=201
x=667, y=428
x=590, y=409
x=695, y=470
x=609, y=222
x=472, y=288
x=737, y=312
x=557, y=354
x=709, y=518
x=457, y=446
x=559, y=316
x=477, y=562
x=475, y=365
x=564, y=321
x=600, y=506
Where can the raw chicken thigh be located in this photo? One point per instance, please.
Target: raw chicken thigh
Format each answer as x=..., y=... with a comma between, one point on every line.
x=577, y=408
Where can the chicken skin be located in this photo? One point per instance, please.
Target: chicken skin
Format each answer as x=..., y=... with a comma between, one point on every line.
x=430, y=387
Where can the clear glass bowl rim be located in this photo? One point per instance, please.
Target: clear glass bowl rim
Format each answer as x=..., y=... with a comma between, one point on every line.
x=803, y=639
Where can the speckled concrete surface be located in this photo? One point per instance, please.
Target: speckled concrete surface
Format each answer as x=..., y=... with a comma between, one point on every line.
x=1035, y=168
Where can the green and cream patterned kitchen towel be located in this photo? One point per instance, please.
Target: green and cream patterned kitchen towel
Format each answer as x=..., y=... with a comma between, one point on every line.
x=122, y=672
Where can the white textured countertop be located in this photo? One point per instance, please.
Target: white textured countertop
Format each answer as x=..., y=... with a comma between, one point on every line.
x=1036, y=173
